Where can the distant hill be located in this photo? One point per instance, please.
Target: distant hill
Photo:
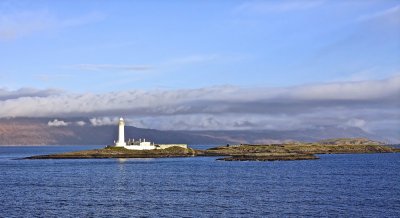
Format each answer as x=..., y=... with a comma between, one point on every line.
x=36, y=131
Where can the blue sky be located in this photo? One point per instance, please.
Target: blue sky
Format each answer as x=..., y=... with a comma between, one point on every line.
x=203, y=64
x=99, y=46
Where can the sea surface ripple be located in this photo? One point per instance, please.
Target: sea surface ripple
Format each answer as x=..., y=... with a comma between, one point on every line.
x=346, y=185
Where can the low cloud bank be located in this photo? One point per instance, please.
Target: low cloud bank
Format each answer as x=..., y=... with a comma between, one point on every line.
x=103, y=121
x=368, y=105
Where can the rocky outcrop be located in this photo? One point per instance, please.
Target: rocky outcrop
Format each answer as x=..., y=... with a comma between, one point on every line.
x=270, y=157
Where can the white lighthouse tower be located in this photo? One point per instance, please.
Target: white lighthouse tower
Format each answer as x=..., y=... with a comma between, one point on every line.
x=121, y=133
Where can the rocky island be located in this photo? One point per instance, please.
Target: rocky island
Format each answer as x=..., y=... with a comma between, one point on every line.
x=243, y=152
x=298, y=150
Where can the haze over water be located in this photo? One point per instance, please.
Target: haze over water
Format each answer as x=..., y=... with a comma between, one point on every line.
x=336, y=185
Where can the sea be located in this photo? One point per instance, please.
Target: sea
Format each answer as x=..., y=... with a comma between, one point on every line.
x=336, y=185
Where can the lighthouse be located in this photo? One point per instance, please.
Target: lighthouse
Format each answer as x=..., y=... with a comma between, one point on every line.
x=142, y=144
x=121, y=133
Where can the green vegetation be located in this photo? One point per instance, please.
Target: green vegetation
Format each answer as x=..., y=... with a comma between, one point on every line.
x=115, y=148
x=117, y=152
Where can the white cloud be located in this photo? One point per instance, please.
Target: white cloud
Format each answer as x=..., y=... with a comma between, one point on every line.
x=362, y=90
x=57, y=123
x=80, y=123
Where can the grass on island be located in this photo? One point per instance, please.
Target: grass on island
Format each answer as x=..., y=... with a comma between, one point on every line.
x=116, y=152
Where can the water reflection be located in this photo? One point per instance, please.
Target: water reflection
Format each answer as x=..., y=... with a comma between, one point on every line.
x=122, y=160
x=130, y=160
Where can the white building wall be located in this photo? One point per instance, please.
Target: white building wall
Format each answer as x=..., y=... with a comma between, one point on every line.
x=140, y=147
x=164, y=146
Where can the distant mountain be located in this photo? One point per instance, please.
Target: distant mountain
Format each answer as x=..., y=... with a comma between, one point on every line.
x=36, y=131
x=275, y=136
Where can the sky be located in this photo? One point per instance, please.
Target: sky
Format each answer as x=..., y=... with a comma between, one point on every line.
x=203, y=64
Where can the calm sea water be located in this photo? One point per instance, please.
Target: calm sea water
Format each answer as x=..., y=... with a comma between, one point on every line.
x=360, y=185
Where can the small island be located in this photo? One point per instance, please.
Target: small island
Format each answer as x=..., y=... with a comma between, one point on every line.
x=298, y=150
x=243, y=152
x=116, y=152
